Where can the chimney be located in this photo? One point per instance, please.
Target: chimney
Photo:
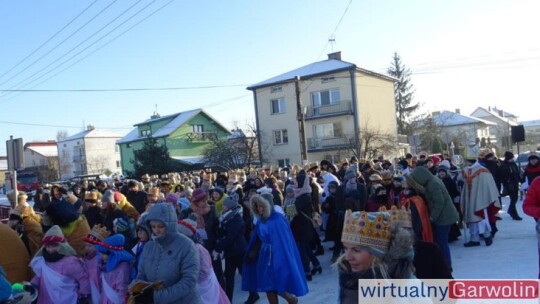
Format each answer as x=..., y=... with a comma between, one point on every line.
x=458, y=111
x=489, y=108
x=335, y=55
x=501, y=113
x=90, y=128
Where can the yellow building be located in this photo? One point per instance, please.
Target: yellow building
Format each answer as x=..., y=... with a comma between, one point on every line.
x=338, y=104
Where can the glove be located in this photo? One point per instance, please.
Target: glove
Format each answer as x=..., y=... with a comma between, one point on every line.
x=146, y=297
x=216, y=256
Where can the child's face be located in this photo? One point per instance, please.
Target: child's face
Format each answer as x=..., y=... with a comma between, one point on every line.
x=52, y=248
x=143, y=236
x=215, y=195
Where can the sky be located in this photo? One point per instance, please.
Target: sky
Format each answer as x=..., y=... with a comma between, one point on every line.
x=203, y=54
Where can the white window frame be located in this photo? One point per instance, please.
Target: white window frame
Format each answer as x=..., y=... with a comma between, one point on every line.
x=334, y=96
x=280, y=104
x=329, y=130
x=146, y=132
x=198, y=128
x=281, y=137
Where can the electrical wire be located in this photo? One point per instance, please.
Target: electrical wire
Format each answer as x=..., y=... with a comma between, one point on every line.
x=127, y=89
x=56, y=46
x=47, y=41
x=88, y=38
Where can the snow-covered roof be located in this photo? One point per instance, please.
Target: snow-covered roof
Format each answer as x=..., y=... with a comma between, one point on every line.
x=530, y=123
x=190, y=160
x=447, y=118
x=483, y=112
x=92, y=134
x=316, y=68
x=47, y=151
x=178, y=120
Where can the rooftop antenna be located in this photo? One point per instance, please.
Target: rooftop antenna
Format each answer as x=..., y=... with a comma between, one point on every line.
x=332, y=41
x=156, y=114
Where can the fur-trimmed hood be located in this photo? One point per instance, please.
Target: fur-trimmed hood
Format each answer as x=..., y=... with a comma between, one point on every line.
x=259, y=200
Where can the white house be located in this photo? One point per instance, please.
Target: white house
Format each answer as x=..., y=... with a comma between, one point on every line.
x=39, y=154
x=503, y=122
x=89, y=152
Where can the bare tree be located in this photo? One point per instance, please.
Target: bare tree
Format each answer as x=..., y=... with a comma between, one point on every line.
x=61, y=135
x=50, y=171
x=375, y=142
x=97, y=165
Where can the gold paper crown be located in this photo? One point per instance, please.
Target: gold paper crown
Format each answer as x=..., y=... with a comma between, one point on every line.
x=399, y=216
x=370, y=230
x=97, y=234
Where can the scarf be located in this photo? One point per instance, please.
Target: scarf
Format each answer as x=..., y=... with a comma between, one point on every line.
x=51, y=257
x=229, y=214
x=304, y=181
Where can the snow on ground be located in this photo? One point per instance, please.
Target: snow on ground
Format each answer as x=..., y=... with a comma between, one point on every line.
x=513, y=255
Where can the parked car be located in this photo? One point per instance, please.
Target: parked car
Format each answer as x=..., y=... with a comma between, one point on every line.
x=523, y=157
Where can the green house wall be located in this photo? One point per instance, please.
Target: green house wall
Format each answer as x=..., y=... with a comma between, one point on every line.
x=177, y=142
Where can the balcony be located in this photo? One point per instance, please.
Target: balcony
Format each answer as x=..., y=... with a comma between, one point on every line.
x=314, y=144
x=201, y=136
x=79, y=158
x=344, y=107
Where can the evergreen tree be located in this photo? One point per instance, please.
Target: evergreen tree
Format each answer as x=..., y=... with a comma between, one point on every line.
x=152, y=159
x=403, y=94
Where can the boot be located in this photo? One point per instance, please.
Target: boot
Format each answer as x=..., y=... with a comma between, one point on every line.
x=253, y=297
x=291, y=299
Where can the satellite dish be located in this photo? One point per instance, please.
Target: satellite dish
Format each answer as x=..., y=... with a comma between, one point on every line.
x=458, y=160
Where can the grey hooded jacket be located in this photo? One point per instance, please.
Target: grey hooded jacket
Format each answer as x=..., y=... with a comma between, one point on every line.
x=172, y=258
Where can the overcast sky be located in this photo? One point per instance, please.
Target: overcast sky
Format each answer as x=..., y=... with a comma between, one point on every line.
x=464, y=54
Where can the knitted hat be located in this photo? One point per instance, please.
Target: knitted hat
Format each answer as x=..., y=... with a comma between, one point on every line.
x=532, y=155
x=108, y=197
x=114, y=247
x=351, y=172
x=445, y=164
x=508, y=155
x=188, y=226
x=199, y=195
x=62, y=213
x=55, y=236
x=231, y=201
x=98, y=234
x=121, y=224
x=171, y=198
x=370, y=230
x=183, y=202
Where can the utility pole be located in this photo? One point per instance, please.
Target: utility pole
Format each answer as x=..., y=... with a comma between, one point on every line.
x=300, y=116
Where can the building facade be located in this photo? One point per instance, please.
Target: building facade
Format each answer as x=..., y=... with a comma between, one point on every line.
x=333, y=101
x=42, y=159
x=186, y=135
x=89, y=152
x=504, y=121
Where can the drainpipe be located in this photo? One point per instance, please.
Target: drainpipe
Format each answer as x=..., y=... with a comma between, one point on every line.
x=259, y=142
x=356, y=117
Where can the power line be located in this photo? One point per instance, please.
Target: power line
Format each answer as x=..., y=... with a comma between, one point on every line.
x=50, y=38
x=88, y=38
x=127, y=89
x=100, y=47
x=56, y=46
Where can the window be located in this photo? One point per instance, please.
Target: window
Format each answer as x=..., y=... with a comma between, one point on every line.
x=281, y=137
x=146, y=132
x=276, y=90
x=327, y=130
x=283, y=162
x=197, y=128
x=278, y=105
x=327, y=79
x=117, y=164
x=325, y=98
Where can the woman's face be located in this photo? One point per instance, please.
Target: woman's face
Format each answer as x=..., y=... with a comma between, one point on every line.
x=359, y=258
x=258, y=182
x=57, y=193
x=260, y=209
x=158, y=228
x=216, y=196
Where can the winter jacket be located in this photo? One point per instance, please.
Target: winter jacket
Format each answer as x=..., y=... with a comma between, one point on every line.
x=508, y=174
x=128, y=208
x=33, y=232
x=111, y=215
x=231, y=240
x=429, y=262
x=301, y=224
x=531, y=172
x=138, y=199
x=531, y=204
x=171, y=258
x=15, y=260
x=451, y=187
x=93, y=216
x=441, y=208
x=210, y=226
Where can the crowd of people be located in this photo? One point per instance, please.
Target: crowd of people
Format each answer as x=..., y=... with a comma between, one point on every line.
x=183, y=237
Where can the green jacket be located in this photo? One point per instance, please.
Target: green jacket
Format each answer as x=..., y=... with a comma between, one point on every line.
x=441, y=207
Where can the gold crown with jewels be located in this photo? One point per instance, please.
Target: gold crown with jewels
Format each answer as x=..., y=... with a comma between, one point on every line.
x=368, y=229
x=399, y=216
